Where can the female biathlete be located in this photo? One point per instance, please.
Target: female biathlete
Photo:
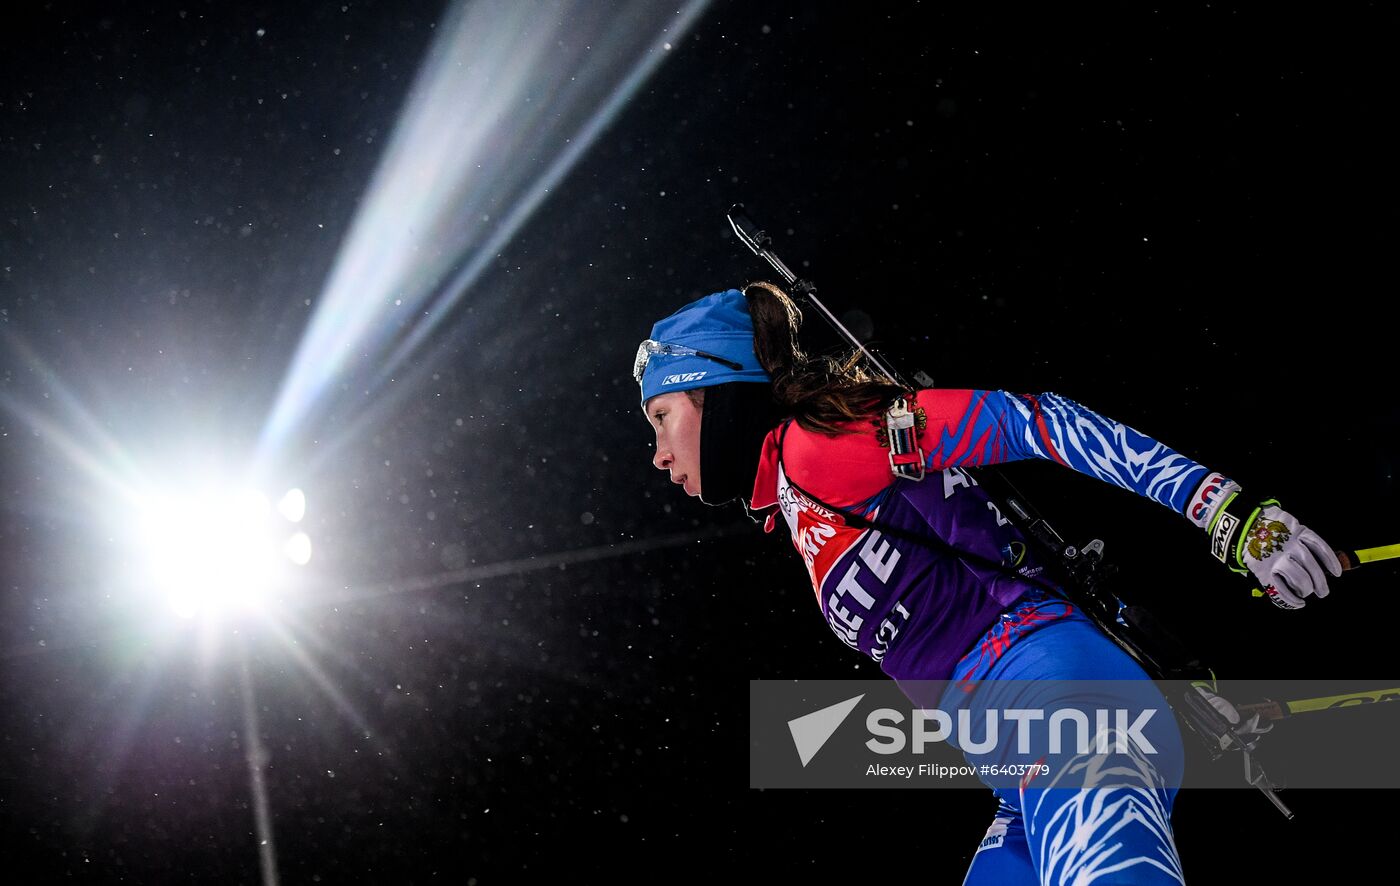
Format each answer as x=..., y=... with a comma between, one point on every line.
x=927, y=578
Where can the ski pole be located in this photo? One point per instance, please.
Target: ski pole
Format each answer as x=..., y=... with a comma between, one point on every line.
x=1353, y=559
x=1278, y=710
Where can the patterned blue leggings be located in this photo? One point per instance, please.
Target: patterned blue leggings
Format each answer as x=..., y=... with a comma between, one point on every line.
x=1082, y=835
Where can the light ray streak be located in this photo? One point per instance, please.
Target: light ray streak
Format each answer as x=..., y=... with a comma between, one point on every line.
x=115, y=746
x=532, y=564
x=530, y=201
x=508, y=98
x=89, y=447
x=322, y=680
x=257, y=758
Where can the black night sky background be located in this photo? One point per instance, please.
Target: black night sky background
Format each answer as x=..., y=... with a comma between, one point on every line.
x=1179, y=215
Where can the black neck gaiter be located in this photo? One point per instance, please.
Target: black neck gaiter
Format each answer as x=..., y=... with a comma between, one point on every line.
x=733, y=422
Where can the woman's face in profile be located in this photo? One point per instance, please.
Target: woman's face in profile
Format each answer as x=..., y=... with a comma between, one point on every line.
x=676, y=421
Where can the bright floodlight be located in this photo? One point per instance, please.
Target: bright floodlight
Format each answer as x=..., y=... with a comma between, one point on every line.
x=293, y=505
x=219, y=551
x=298, y=549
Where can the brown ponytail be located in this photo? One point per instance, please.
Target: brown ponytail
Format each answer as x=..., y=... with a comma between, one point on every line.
x=822, y=393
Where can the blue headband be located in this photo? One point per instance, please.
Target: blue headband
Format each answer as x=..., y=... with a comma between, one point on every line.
x=707, y=342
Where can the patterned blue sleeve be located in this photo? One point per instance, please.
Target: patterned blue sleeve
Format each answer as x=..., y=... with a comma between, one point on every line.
x=986, y=427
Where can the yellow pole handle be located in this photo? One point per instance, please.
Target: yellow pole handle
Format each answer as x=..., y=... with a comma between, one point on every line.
x=1353, y=559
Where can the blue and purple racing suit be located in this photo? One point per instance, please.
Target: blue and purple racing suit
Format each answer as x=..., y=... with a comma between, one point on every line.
x=925, y=614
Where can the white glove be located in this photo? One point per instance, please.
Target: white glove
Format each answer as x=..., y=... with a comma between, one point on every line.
x=1285, y=556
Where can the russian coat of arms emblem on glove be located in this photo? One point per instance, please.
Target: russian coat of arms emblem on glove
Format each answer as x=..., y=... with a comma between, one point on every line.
x=1266, y=537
